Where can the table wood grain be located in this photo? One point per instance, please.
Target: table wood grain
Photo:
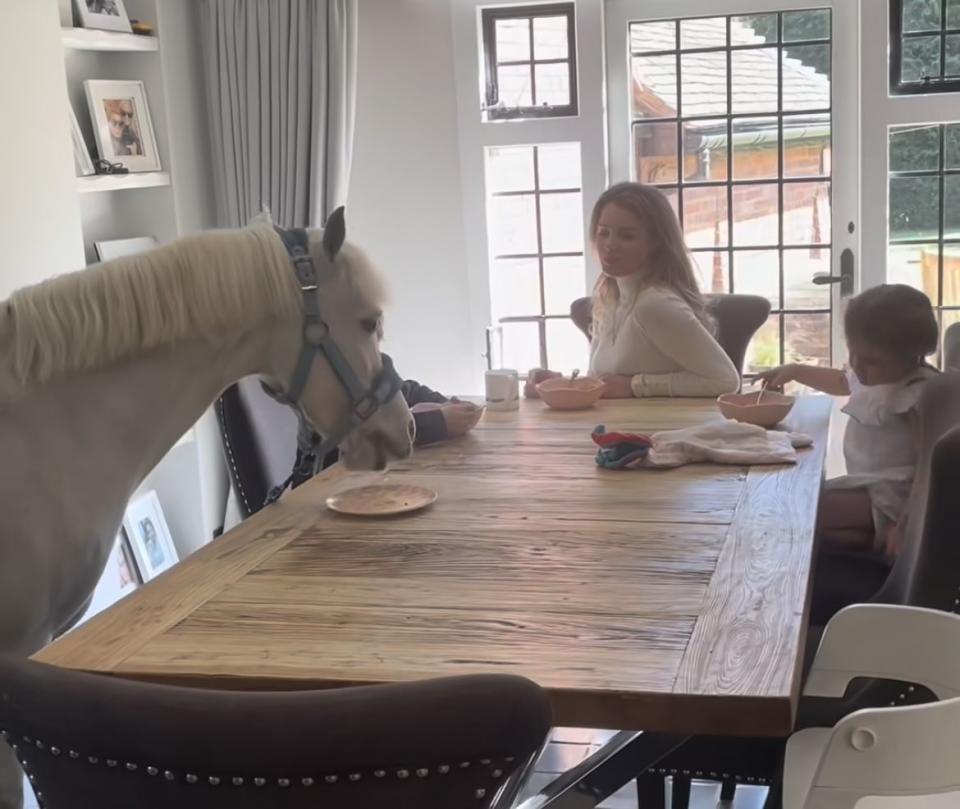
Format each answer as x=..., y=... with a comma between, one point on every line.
x=669, y=600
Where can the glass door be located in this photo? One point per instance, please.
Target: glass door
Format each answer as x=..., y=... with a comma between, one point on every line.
x=746, y=116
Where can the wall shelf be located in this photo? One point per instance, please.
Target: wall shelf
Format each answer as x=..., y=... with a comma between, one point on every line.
x=122, y=182
x=91, y=39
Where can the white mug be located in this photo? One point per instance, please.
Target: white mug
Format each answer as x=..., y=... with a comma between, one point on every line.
x=503, y=389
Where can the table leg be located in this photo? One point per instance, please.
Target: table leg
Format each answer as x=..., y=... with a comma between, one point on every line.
x=598, y=776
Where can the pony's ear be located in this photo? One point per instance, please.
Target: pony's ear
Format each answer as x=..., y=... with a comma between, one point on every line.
x=262, y=218
x=334, y=233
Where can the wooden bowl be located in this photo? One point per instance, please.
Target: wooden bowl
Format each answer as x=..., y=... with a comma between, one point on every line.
x=771, y=409
x=571, y=394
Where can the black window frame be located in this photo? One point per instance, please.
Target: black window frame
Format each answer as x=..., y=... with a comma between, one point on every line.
x=929, y=85
x=488, y=21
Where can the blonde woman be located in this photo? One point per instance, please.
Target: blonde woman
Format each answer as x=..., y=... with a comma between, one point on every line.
x=652, y=335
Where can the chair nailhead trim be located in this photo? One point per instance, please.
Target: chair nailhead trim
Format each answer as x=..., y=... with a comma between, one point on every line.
x=191, y=778
x=214, y=781
x=379, y=773
x=354, y=776
x=307, y=782
x=443, y=769
x=330, y=779
x=131, y=767
x=283, y=782
x=484, y=761
x=237, y=781
x=54, y=751
x=479, y=793
x=111, y=762
x=497, y=773
x=93, y=759
x=423, y=772
x=40, y=745
x=73, y=754
x=168, y=775
x=464, y=764
x=259, y=781
x=152, y=771
x=403, y=773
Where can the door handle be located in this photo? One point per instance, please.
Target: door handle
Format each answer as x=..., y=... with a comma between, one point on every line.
x=845, y=279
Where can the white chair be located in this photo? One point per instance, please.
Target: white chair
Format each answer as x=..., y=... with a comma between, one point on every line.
x=904, y=752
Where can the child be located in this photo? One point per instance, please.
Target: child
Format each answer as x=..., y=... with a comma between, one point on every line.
x=890, y=330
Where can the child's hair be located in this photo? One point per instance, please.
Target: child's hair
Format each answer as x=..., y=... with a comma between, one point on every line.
x=670, y=263
x=894, y=318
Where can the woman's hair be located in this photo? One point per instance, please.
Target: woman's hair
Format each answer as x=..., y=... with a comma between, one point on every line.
x=669, y=262
x=894, y=318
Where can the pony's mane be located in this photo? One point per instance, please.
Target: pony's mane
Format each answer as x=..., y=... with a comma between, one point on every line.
x=197, y=287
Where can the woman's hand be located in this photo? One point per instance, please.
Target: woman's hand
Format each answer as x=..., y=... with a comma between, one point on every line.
x=776, y=378
x=534, y=378
x=460, y=417
x=617, y=386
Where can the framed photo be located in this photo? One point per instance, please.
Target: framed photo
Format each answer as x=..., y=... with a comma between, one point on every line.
x=118, y=580
x=81, y=155
x=109, y=15
x=122, y=124
x=153, y=548
x=117, y=248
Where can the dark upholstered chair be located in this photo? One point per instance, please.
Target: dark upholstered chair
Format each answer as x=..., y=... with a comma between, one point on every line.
x=925, y=574
x=738, y=318
x=951, y=348
x=96, y=742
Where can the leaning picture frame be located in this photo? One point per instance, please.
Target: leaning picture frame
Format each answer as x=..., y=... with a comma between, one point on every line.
x=107, y=15
x=150, y=540
x=81, y=154
x=110, y=249
x=122, y=123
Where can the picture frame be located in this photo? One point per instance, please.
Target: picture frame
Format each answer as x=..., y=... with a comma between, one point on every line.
x=118, y=580
x=150, y=540
x=107, y=15
x=122, y=123
x=118, y=248
x=82, y=162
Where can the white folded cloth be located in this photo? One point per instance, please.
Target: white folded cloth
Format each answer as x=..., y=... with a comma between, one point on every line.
x=727, y=441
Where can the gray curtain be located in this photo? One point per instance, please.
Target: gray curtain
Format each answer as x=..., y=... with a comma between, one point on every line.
x=281, y=84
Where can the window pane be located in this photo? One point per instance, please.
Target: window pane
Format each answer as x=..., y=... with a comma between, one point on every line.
x=755, y=149
x=914, y=207
x=753, y=28
x=915, y=148
x=952, y=61
x=712, y=268
x=703, y=89
x=806, y=77
x=755, y=215
x=806, y=145
x=559, y=165
x=513, y=225
x=513, y=40
x=567, y=349
x=947, y=319
x=799, y=267
x=509, y=168
x=521, y=346
x=951, y=146
x=801, y=25
x=703, y=32
x=673, y=197
x=920, y=58
x=951, y=206
x=564, y=280
x=553, y=84
x=654, y=86
x=515, y=287
x=807, y=339
x=656, y=152
x=921, y=15
x=953, y=13
x=764, y=349
x=561, y=219
x=653, y=36
x=705, y=150
x=514, y=86
x=550, y=38
x=916, y=265
x=806, y=215
x=951, y=276
x=705, y=216
x=754, y=81
x=757, y=272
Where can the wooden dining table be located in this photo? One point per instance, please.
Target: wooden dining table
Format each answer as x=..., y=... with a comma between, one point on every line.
x=662, y=600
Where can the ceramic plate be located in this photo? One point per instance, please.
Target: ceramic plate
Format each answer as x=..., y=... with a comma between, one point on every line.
x=381, y=501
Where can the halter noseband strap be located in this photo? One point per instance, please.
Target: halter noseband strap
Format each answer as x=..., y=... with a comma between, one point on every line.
x=364, y=402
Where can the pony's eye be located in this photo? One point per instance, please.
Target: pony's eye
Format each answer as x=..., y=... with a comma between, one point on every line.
x=370, y=324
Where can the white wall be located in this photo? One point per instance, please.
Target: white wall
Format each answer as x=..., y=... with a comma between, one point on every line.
x=39, y=216
x=405, y=203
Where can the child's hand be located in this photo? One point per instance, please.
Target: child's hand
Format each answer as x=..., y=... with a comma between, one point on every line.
x=617, y=386
x=460, y=417
x=776, y=378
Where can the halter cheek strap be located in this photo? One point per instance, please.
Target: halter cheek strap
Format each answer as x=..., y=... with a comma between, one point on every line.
x=364, y=402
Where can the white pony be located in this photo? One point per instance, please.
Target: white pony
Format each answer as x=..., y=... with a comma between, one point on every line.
x=102, y=370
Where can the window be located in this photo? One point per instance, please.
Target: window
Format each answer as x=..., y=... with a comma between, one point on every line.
x=731, y=118
x=924, y=211
x=924, y=46
x=535, y=225
x=530, y=61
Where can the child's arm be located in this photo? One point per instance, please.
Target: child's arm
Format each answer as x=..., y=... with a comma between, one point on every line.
x=826, y=380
